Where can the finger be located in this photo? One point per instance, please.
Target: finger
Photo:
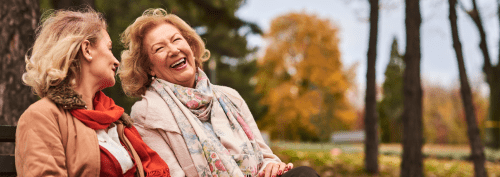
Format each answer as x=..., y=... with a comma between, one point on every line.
x=289, y=166
x=274, y=171
x=268, y=169
x=281, y=169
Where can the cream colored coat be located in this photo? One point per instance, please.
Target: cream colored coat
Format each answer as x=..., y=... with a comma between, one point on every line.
x=159, y=130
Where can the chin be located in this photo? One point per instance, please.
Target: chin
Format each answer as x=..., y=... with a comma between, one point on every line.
x=106, y=84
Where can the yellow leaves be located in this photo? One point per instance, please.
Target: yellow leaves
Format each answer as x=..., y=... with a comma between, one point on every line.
x=348, y=116
x=301, y=76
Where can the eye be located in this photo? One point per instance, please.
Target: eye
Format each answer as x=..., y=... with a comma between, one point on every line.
x=158, y=49
x=176, y=39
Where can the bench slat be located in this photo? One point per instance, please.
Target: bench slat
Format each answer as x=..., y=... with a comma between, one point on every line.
x=7, y=162
x=7, y=133
x=8, y=166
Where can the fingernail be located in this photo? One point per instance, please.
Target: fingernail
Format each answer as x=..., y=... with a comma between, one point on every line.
x=280, y=172
x=274, y=176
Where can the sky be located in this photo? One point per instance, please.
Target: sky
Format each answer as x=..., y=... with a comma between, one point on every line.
x=438, y=63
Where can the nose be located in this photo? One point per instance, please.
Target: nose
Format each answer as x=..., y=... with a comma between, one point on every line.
x=175, y=52
x=116, y=63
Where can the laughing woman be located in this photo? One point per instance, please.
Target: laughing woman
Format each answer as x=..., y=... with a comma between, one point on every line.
x=74, y=129
x=198, y=128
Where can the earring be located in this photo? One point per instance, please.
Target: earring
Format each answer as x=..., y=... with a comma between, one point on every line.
x=153, y=77
x=90, y=58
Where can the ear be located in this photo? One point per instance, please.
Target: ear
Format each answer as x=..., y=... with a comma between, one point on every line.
x=86, y=50
x=152, y=73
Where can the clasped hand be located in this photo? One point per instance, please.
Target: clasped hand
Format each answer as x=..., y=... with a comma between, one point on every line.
x=275, y=169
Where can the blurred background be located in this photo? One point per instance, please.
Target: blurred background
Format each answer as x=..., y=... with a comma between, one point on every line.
x=302, y=67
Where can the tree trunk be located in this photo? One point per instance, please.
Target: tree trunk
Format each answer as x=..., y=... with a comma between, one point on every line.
x=65, y=4
x=412, y=116
x=477, y=152
x=492, y=78
x=18, y=20
x=493, y=123
x=371, y=120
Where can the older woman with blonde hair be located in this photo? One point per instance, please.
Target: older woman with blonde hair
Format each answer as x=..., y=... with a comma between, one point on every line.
x=198, y=128
x=75, y=129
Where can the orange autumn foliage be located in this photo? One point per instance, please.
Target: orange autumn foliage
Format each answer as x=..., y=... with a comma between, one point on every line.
x=302, y=80
x=444, y=116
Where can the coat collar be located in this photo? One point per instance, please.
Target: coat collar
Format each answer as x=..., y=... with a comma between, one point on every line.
x=66, y=97
x=156, y=114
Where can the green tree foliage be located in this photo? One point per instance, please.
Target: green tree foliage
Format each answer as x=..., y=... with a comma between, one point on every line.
x=390, y=107
x=302, y=80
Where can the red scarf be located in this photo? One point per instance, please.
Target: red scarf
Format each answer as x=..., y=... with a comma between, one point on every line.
x=152, y=163
x=105, y=112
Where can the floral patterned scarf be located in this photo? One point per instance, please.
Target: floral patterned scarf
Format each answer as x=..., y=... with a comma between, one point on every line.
x=206, y=135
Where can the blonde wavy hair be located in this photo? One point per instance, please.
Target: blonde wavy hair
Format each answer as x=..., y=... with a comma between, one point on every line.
x=135, y=63
x=54, y=55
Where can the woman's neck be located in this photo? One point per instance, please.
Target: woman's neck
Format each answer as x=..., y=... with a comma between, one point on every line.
x=88, y=93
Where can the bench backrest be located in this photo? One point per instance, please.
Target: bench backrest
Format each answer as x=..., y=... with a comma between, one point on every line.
x=7, y=161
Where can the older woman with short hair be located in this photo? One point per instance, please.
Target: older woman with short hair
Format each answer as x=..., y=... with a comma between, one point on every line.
x=75, y=129
x=198, y=128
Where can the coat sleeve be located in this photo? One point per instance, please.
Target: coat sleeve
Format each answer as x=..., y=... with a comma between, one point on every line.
x=39, y=150
x=156, y=142
x=269, y=156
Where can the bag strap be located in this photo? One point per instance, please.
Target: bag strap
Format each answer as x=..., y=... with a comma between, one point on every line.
x=137, y=159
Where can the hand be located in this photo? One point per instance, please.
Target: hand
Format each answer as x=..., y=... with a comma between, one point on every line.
x=275, y=169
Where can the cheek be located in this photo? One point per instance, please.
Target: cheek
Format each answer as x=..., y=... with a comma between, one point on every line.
x=156, y=64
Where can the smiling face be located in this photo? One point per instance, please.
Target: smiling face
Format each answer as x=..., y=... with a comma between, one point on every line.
x=170, y=54
x=103, y=64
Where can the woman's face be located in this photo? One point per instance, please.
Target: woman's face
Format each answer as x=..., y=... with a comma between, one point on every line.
x=103, y=64
x=171, y=56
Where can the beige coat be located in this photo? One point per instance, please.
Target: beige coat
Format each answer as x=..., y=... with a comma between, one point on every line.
x=159, y=130
x=51, y=142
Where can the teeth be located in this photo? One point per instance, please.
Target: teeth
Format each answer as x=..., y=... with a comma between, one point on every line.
x=177, y=63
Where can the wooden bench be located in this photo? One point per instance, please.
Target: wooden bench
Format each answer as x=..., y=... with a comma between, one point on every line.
x=7, y=161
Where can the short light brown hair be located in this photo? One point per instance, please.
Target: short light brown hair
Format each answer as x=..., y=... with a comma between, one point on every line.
x=58, y=41
x=135, y=64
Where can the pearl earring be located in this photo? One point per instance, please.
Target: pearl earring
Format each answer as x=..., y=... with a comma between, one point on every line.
x=90, y=58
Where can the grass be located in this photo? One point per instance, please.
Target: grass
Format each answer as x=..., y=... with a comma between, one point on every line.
x=440, y=160
x=457, y=152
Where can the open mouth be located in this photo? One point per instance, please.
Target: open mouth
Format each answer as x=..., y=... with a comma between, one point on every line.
x=179, y=63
